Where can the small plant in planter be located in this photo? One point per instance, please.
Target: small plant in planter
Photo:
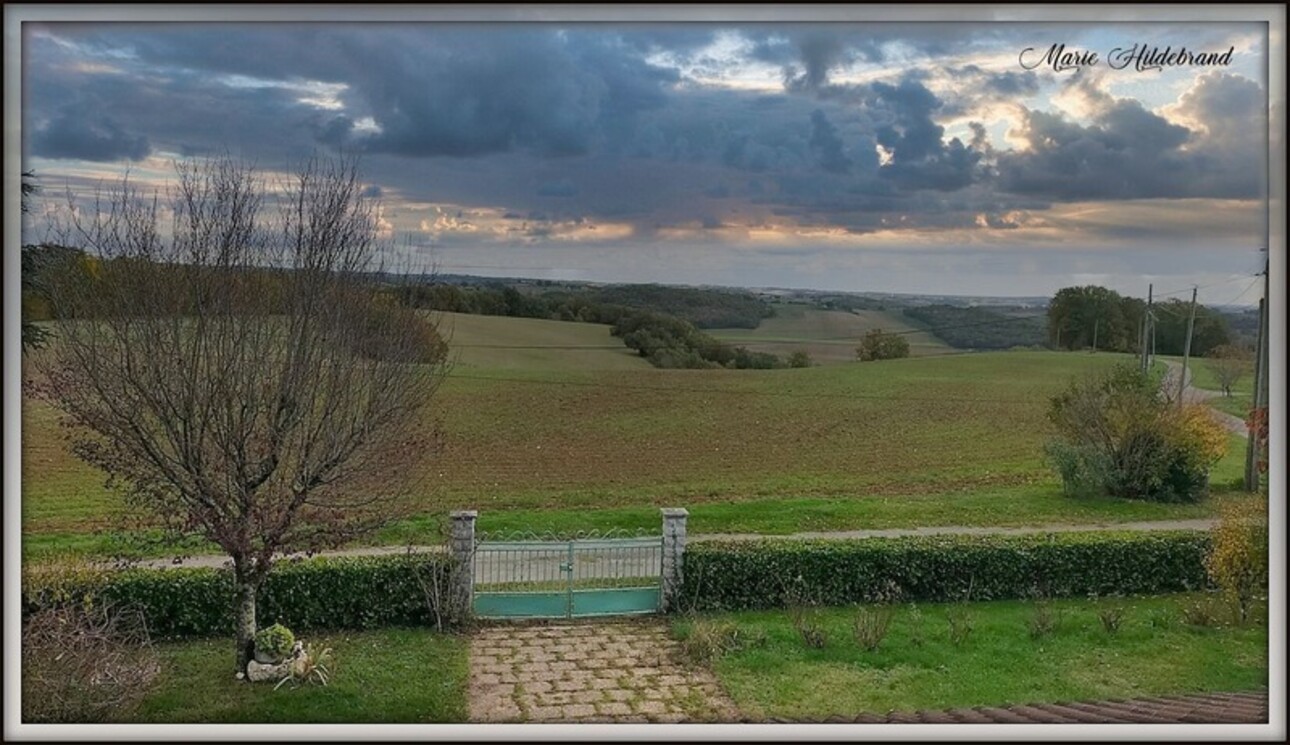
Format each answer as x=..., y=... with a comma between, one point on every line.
x=309, y=666
x=273, y=644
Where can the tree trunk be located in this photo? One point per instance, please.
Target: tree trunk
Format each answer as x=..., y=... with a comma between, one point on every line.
x=245, y=622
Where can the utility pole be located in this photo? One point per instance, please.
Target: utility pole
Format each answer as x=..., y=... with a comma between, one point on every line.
x=1252, y=444
x=1191, y=324
x=1096, y=322
x=1146, y=333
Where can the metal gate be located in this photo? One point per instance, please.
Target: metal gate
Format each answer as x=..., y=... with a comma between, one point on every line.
x=567, y=578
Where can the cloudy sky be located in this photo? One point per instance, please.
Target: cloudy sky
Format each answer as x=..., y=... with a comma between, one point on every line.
x=882, y=157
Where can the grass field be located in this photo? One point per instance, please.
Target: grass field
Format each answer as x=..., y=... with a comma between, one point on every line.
x=388, y=676
x=502, y=343
x=1153, y=653
x=1203, y=377
x=828, y=336
x=596, y=437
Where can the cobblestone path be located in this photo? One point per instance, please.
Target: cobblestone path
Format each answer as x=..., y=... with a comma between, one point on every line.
x=607, y=672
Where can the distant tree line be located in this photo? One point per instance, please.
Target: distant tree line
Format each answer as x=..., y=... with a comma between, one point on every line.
x=705, y=308
x=701, y=308
x=1243, y=326
x=1078, y=315
x=667, y=334
x=978, y=327
x=670, y=342
x=847, y=303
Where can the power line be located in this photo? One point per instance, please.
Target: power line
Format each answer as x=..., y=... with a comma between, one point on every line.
x=1189, y=288
x=1248, y=287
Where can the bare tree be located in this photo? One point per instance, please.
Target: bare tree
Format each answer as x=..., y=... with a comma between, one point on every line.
x=241, y=376
x=1229, y=363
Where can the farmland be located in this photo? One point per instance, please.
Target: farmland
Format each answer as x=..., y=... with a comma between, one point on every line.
x=556, y=434
x=828, y=336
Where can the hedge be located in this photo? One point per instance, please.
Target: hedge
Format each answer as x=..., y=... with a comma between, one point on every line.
x=311, y=594
x=723, y=576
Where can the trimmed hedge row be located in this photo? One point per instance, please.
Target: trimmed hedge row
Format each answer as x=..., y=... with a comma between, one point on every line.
x=723, y=576
x=311, y=594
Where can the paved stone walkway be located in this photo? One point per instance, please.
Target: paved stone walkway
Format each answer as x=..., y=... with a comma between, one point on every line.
x=625, y=671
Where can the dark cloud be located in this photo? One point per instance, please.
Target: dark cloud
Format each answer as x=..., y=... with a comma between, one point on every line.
x=593, y=122
x=1128, y=152
x=920, y=158
x=824, y=140
x=80, y=132
x=372, y=191
x=562, y=188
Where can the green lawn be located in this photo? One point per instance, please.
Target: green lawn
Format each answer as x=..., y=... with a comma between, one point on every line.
x=998, y=665
x=394, y=675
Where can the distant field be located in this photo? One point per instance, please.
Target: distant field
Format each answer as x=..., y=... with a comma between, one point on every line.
x=500, y=342
x=829, y=336
x=590, y=437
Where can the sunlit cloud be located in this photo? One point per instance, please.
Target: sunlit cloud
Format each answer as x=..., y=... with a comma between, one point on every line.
x=829, y=143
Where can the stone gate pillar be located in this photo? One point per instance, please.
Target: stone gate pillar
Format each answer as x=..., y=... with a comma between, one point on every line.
x=674, y=519
x=462, y=545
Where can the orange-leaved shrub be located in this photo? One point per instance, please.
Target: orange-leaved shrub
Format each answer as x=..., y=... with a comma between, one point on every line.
x=1238, y=556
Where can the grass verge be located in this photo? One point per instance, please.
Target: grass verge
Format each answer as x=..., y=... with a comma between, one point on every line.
x=1152, y=653
x=393, y=675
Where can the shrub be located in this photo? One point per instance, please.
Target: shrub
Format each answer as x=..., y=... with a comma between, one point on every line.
x=961, y=623
x=1160, y=618
x=746, y=574
x=83, y=663
x=1118, y=437
x=1199, y=612
x=1111, y=617
x=1237, y=561
x=878, y=345
x=799, y=359
x=812, y=633
x=1043, y=620
x=798, y=595
x=274, y=642
x=392, y=332
x=707, y=640
x=917, y=626
x=872, y=622
x=320, y=593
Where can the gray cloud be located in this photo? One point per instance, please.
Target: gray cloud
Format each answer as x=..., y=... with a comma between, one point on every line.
x=79, y=132
x=1128, y=152
x=560, y=188
x=824, y=140
x=588, y=123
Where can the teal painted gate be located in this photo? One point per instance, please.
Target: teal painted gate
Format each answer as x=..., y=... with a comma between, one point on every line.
x=568, y=578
